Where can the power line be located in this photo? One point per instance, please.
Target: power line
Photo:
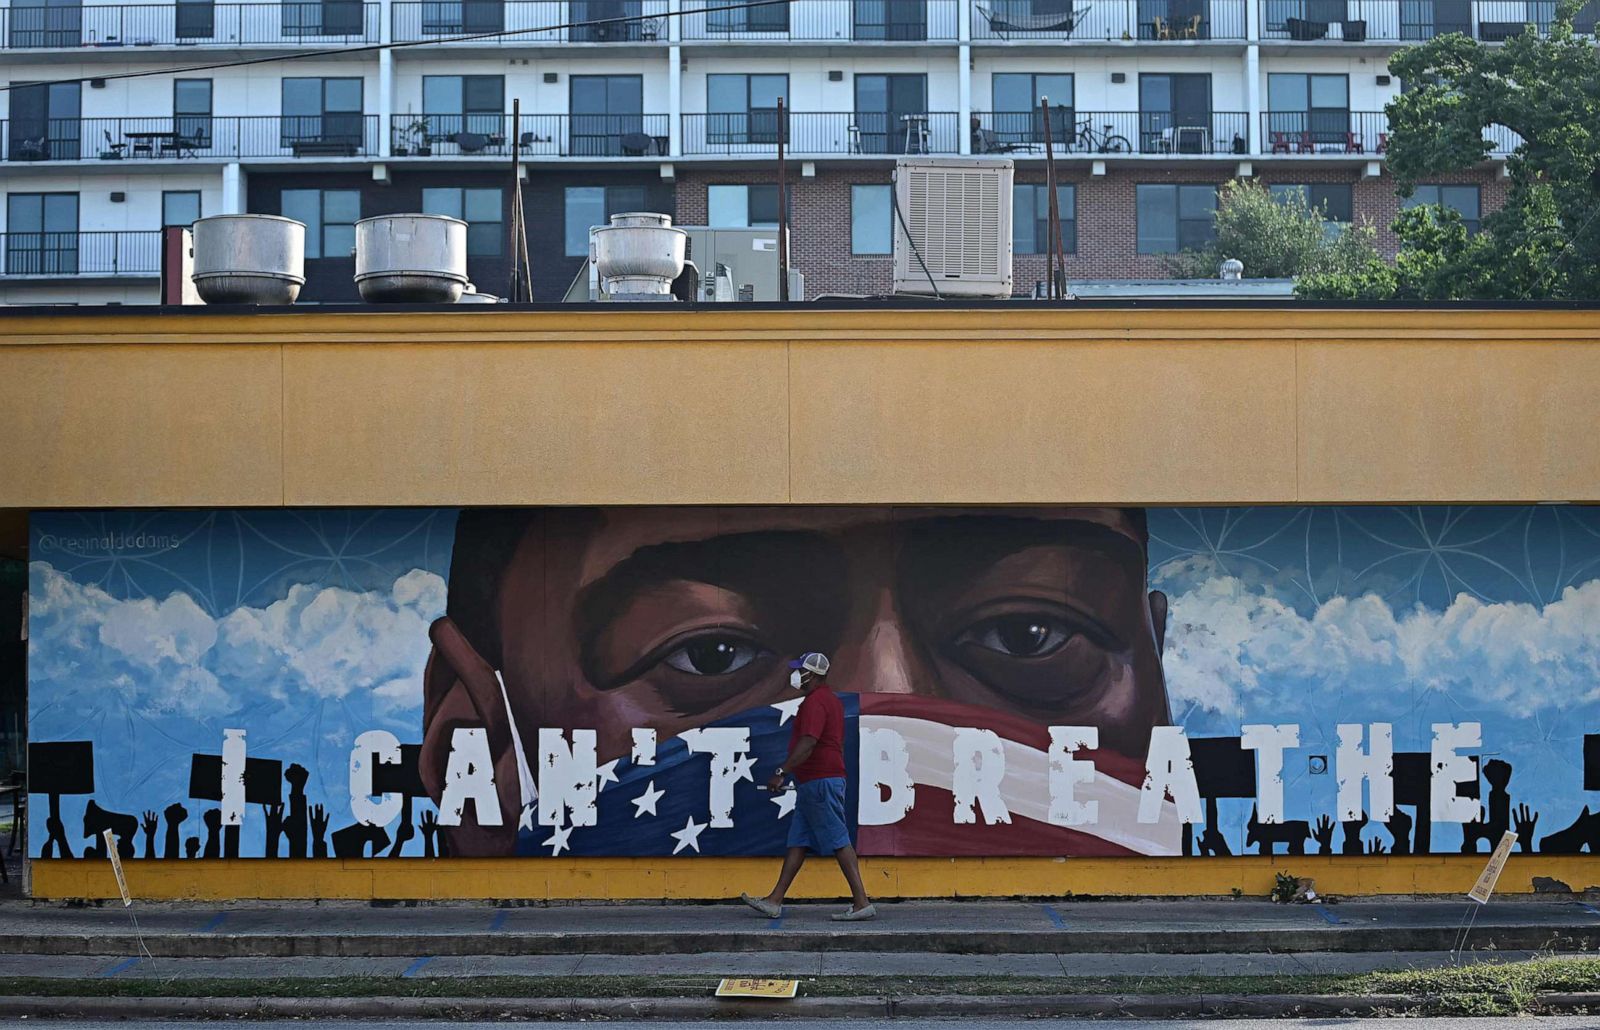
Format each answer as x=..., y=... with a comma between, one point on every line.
x=376, y=47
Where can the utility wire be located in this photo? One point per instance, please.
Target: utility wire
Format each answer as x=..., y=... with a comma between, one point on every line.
x=375, y=47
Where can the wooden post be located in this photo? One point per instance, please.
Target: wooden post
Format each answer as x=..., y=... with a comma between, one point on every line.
x=783, y=208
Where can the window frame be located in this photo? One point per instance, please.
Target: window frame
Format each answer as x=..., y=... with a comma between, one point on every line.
x=199, y=206
x=459, y=210
x=1039, y=203
x=318, y=234
x=1473, y=224
x=1178, y=193
x=857, y=224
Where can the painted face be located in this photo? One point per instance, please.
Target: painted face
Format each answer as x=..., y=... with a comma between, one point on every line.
x=674, y=618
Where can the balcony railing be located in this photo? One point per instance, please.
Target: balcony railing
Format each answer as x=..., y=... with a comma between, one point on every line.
x=826, y=132
x=1020, y=133
x=1156, y=20
x=538, y=135
x=189, y=137
x=81, y=253
x=613, y=21
x=1324, y=132
x=1408, y=20
x=878, y=21
x=290, y=24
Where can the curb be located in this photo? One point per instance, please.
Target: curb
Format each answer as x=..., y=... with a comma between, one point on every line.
x=1177, y=942
x=1127, y=1005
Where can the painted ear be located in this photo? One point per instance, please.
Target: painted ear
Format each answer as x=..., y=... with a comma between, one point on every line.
x=1158, y=618
x=460, y=690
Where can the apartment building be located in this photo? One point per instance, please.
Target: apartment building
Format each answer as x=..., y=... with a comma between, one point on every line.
x=121, y=118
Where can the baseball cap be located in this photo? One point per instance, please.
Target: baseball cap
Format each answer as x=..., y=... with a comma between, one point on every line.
x=812, y=661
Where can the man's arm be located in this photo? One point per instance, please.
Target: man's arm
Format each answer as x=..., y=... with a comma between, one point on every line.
x=802, y=750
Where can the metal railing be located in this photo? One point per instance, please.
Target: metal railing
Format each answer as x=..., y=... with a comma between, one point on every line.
x=1409, y=20
x=615, y=21
x=1324, y=132
x=1072, y=131
x=81, y=253
x=1104, y=20
x=325, y=23
x=826, y=132
x=879, y=21
x=189, y=137
x=537, y=135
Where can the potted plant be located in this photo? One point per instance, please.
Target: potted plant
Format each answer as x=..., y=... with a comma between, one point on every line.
x=417, y=133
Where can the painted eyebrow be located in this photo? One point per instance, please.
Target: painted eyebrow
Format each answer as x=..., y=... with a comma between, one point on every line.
x=747, y=563
x=985, y=539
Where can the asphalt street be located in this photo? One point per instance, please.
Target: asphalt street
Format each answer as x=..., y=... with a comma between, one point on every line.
x=1541, y=1022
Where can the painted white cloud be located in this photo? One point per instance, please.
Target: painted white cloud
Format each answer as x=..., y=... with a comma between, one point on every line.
x=1229, y=641
x=169, y=656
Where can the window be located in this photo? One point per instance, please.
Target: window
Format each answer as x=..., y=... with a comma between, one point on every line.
x=323, y=18
x=891, y=19
x=1332, y=199
x=451, y=17
x=589, y=206
x=1174, y=218
x=871, y=219
x=42, y=234
x=46, y=23
x=1464, y=200
x=464, y=103
x=1030, y=218
x=1315, y=104
x=330, y=217
x=605, y=109
x=732, y=16
x=480, y=207
x=324, y=110
x=191, y=111
x=45, y=122
x=741, y=207
x=1016, y=107
x=1168, y=103
x=744, y=108
x=180, y=207
x=892, y=113
x=614, y=21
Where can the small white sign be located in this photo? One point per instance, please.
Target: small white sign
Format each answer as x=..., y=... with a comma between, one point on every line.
x=764, y=244
x=1491, y=873
x=116, y=867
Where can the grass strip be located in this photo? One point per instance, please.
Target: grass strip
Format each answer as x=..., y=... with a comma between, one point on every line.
x=1483, y=989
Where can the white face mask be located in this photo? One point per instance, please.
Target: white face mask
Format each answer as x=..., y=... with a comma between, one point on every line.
x=797, y=679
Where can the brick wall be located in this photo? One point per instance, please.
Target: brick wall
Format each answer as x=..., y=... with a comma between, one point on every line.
x=1107, y=223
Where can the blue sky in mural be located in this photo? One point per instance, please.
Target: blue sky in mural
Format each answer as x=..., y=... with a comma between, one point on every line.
x=152, y=631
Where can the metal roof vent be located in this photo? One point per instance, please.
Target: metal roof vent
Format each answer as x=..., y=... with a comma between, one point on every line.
x=639, y=254
x=411, y=259
x=1231, y=270
x=249, y=259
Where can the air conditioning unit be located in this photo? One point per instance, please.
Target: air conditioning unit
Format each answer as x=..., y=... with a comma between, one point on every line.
x=956, y=233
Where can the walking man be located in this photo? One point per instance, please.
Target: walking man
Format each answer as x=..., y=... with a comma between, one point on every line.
x=816, y=761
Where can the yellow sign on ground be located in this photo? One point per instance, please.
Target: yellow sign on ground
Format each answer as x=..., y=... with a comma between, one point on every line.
x=743, y=987
x=1491, y=873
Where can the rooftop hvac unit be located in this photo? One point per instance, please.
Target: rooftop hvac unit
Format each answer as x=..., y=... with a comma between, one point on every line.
x=958, y=213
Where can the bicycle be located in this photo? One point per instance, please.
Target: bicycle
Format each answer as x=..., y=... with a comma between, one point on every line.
x=1106, y=142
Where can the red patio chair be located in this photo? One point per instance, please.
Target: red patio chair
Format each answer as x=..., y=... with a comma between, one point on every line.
x=1280, y=142
x=1383, y=142
x=1305, y=146
x=1354, y=144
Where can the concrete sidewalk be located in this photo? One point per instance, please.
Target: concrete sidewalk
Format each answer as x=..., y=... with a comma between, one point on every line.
x=1245, y=926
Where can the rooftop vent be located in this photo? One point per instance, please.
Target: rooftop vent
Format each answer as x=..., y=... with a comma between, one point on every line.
x=249, y=259
x=956, y=234
x=639, y=254
x=411, y=259
x=1231, y=270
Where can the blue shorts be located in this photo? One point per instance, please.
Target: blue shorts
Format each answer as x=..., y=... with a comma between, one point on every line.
x=818, y=821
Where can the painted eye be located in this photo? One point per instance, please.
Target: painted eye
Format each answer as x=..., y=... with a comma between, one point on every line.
x=713, y=656
x=1021, y=636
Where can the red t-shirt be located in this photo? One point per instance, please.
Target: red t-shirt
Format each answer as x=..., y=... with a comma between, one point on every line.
x=821, y=716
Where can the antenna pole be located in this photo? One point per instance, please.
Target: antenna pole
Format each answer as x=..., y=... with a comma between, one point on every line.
x=783, y=208
x=1054, y=234
x=515, y=243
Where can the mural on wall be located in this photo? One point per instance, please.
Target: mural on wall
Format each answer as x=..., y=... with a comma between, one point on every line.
x=1017, y=681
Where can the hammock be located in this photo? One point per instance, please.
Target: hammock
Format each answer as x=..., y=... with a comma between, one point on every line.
x=1001, y=22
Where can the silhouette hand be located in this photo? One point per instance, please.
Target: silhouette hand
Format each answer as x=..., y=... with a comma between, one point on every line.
x=319, y=820
x=1323, y=834
x=176, y=813
x=150, y=822
x=1525, y=819
x=296, y=775
x=1376, y=847
x=430, y=823
x=274, y=814
x=213, y=819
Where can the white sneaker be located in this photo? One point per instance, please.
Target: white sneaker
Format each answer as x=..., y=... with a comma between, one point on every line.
x=763, y=906
x=855, y=915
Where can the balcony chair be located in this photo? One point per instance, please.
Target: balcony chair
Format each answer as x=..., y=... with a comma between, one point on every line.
x=1383, y=142
x=113, y=148
x=1354, y=143
x=987, y=141
x=1192, y=30
x=1160, y=27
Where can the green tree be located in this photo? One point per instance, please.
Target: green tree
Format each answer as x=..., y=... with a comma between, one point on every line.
x=1545, y=89
x=1275, y=237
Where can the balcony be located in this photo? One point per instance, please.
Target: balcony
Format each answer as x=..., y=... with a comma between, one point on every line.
x=1077, y=133
x=1152, y=20
x=329, y=23
x=823, y=21
x=821, y=133
x=1406, y=21
x=189, y=137
x=538, y=135
x=52, y=255
x=1349, y=134
x=528, y=22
